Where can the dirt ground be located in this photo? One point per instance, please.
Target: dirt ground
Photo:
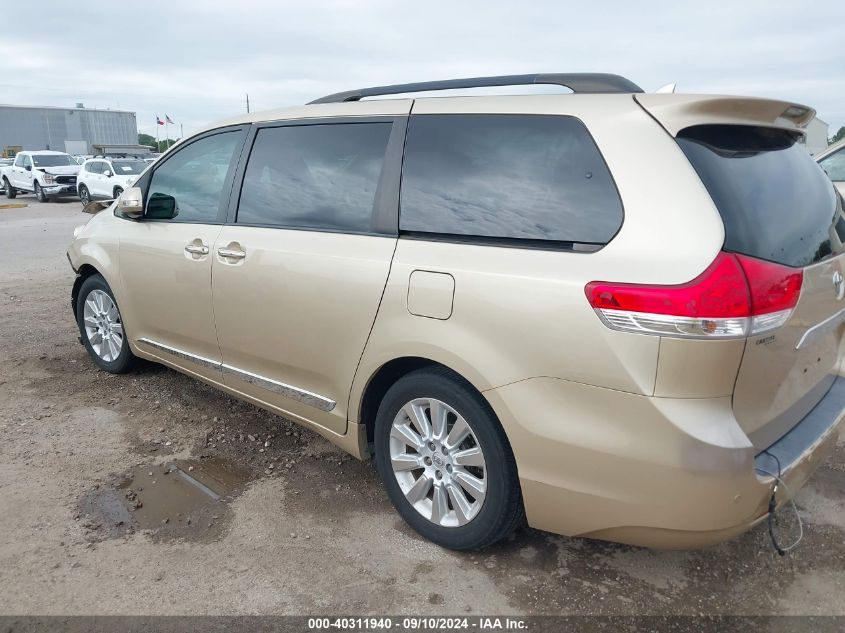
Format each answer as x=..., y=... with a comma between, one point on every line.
x=273, y=519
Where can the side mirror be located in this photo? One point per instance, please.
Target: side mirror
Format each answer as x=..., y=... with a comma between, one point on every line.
x=162, y=207
x=107, y=174
x=28, y=167
x=131, y=203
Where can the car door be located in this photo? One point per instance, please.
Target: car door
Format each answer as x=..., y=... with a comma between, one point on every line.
x=834, y=165
x=299, y=272
x=165, y=258
x=94, y=170
x=23, y=172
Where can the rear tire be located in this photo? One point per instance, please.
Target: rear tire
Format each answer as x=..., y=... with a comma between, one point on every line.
x=117, y=191
x=39, y=193
x=84, y=195
x=11, y=192
x=463, y=494
x=101, y=327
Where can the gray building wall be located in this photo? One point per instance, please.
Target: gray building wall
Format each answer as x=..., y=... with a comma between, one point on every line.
x=48, y=128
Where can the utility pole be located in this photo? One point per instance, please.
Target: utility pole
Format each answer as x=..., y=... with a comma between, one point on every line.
x=247, y=103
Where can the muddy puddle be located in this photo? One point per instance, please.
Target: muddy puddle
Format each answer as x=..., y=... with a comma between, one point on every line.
x=178, y=499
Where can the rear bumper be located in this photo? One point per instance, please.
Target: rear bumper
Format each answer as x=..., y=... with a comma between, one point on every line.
x=659, y=472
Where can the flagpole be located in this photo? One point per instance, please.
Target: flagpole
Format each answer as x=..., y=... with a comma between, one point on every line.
x=166, y=132
x=158, y=143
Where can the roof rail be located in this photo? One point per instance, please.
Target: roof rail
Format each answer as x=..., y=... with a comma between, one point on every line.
x=590, y=83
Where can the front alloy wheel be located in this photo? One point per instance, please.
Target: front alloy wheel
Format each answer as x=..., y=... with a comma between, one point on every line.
x=101, y=327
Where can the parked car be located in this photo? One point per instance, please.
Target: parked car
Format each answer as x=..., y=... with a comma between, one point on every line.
x=5, y=162
x=598, y=310
x=45, y=173
x=106, y=178
x=832, y=161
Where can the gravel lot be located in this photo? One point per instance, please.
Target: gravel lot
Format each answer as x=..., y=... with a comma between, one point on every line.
x=300, y=527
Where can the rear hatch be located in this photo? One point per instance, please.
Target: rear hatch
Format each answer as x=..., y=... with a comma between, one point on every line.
x=777, y=205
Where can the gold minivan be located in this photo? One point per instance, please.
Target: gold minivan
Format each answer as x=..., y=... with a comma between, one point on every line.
x=607, y=313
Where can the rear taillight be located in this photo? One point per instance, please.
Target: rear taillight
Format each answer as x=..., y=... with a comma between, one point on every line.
x=737, y=296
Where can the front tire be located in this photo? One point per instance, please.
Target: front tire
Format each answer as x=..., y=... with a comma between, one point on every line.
x=11, y=192
x=84, y=195
x=101, y=327
x=39, y=193
x=445, y=461
x=116, y=193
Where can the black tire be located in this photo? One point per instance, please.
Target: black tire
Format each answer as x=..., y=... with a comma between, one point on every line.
x=125, y=359
x=117, y=191
x=501, y=511
x=84, y=195
x=11, y=192
x=39, y=193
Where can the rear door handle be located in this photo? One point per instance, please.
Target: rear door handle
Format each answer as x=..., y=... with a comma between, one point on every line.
x=197, y=249
x=229, y=253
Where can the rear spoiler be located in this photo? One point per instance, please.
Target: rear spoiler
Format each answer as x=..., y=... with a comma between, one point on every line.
x=677, y=112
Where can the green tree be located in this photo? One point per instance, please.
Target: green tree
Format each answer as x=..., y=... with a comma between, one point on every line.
x=839, y=135
x=146, y=139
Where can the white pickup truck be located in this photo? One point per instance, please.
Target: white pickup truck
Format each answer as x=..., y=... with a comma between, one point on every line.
x=45, y=173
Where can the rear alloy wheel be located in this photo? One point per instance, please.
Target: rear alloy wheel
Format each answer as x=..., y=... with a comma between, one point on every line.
x=39, y=193
x=101, y=326
x=10, y=191
x=84, y=195
x=117, y=191
x=445, y=461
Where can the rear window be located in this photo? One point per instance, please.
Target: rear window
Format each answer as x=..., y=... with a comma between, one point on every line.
x=525, y=177
x=775, y=201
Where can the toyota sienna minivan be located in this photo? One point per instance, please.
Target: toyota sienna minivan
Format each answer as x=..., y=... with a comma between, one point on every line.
x=604, y=313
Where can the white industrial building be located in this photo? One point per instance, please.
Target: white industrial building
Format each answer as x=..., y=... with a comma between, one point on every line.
x=817, y=135
x=73, y=130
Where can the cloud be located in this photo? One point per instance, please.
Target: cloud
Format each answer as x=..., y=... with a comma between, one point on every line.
x=196, y=59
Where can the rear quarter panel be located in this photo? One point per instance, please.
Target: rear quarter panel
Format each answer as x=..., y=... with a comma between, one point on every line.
x=522, y=313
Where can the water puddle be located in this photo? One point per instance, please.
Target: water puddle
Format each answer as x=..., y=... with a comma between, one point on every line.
x=179, y=499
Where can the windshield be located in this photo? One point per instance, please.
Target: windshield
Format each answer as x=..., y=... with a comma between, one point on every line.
x=128, y=167
x=775, y=201
x=52, y=160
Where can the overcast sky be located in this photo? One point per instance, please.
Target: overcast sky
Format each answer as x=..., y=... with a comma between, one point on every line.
x=195, y=59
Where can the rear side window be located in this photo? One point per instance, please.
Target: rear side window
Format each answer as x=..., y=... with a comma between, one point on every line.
x=321, y=176
x=775, y=201
x=525, y=177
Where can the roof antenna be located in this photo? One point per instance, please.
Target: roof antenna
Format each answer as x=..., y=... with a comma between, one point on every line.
x=667, y=89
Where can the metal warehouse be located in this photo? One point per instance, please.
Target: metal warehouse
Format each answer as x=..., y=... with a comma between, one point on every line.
x=74, y=130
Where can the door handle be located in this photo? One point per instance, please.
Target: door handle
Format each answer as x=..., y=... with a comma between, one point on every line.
x=197, y=249
x=230, y=253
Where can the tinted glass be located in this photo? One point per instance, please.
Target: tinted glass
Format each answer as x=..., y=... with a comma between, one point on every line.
x=194, y=176
x=507, y=176
x=834, y=165
x=314, y=176
x=95, y=167
x=775, y=201
x=128, y=167
x=53, y=160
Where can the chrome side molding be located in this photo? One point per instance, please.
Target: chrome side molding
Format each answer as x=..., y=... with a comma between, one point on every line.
x=178, y=353
x=288, y=391
x=821, y=328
